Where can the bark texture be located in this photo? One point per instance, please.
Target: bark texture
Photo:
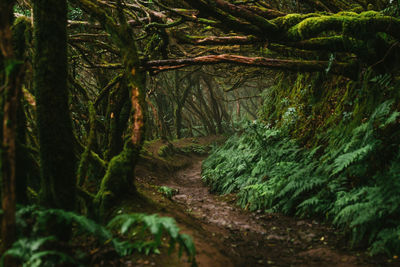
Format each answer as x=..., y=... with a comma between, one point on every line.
x=11, y=95
x=54, y=122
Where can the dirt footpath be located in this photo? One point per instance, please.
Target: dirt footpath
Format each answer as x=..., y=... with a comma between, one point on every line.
x=226, y=235
x=231, y=236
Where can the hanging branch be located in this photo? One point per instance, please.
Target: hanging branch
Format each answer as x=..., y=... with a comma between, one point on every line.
x=341, y=68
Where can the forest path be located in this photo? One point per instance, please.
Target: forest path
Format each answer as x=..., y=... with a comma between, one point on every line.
x=234, y=237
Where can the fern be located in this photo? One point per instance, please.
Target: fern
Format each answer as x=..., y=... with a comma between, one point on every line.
x=40, y=259
x=349, y=182
x=84, y=225
x=30, y=249
x=382, y=110
x=156, y=226
x=390, y=120
x=168, y=192
x=388, y=240
x=345, y=160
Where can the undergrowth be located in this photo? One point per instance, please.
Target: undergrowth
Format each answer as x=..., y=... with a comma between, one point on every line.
x=125, y=233
x=352, y=181
x=168, y=192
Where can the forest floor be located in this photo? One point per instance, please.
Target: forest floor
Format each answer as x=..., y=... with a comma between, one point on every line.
x=226, y=235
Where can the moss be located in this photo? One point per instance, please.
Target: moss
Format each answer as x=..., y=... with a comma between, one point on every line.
x=54, y=123
x=357, y=9
x=291, y=20
x=370, y=7
x=347, y=13
x=119, y=176
x=166, y=150
x=22, y=35
x=370, y=14
x=349, y=23
x=83, y=164
x=118, y=179
x=308, y=27
x=118, y=112
x=322, y=105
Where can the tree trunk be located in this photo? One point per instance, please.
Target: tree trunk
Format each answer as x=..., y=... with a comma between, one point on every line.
x=119, y=108
x=21, y=27
x=205, y=110
x=214, y=105
x=178, y=109
x=178, y=120
x=57, y=158
x=120, y=172
x=11, y=93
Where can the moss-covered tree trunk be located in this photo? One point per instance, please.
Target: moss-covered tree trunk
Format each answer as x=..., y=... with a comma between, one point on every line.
x=119, y=177
x=21, y=37
x=11, y=97
x=23, y=161
x=2, y=79
x=118, y=111
x=54, y=122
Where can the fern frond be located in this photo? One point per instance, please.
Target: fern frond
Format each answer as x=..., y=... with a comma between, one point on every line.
x=345, y=160
x=156, y=226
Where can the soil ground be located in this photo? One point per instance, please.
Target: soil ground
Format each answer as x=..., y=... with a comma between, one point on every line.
x=226, y=235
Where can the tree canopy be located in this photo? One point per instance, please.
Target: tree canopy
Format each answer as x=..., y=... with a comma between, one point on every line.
x=309, y=37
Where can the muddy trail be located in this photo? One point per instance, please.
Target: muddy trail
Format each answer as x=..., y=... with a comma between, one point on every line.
x=226, y=235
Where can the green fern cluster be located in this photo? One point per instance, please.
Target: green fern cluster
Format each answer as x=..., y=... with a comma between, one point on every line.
x=194, y=148
x=354, y=181
x=136, y=224
x=31, y=249
x=393, y=8
x=167, y=191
